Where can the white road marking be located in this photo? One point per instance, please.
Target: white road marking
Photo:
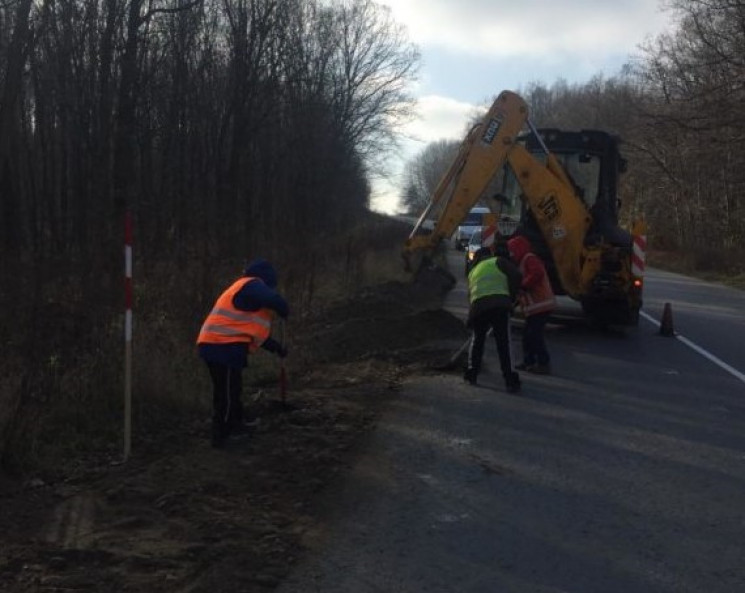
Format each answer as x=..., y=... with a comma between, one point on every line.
x=696, y=348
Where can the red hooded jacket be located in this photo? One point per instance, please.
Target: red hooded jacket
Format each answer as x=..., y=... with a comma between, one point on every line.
x=537, y=296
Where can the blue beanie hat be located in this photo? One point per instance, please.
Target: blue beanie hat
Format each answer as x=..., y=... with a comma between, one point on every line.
x=260, y=268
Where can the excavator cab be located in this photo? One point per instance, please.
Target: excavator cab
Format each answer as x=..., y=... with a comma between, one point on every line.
x=593, y=163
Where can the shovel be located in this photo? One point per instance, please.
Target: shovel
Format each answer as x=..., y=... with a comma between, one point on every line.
x=455, y=361
x=282, y=369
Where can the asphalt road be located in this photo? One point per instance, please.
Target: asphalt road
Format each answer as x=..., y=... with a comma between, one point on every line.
x=623, y=472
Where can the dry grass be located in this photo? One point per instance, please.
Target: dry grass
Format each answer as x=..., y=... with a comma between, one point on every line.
x=67, y=401
x=726, y=268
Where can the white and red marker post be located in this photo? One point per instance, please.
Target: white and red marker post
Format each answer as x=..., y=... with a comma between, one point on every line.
x=639, y=249
x=127, y=335
x=488, y=234
x=489, y=229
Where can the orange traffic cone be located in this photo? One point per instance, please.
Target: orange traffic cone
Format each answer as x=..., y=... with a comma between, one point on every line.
x=666, y=326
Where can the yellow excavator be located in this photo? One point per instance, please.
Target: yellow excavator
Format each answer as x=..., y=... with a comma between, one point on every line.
x=563, y=186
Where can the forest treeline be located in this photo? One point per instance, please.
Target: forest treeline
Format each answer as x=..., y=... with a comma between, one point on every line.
x=198, y=116
x=226, y=128
x=678, y=107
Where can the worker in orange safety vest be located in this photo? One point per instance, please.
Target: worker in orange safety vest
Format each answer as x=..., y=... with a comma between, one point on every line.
x=239, y=324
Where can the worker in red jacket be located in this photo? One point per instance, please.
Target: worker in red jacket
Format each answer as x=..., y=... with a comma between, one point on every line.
x=239, y=324
x=537, y=301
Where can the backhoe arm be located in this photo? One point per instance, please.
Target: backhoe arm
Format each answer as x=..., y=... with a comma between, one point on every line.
x=547, y=190
x=561, y=215
x=481, y=156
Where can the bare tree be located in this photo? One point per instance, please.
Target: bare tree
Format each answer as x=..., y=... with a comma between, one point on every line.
x=374, y=63
x=694, y=81
x=423, y=173
x=11, y=94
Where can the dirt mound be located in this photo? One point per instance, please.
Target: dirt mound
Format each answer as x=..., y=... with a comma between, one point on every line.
x=382, y=322
x=390, y=299
x=386, y=337
x=183, y=517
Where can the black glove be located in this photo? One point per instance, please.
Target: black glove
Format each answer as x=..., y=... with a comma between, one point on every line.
x=282, y=352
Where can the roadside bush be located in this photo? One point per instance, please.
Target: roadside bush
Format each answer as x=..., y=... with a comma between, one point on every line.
x=725, y=266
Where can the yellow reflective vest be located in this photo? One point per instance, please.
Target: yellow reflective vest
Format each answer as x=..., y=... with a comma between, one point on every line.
x=486, y=279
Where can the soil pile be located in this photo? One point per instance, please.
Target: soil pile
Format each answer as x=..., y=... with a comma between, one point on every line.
x=394, y=321
x=183, y=517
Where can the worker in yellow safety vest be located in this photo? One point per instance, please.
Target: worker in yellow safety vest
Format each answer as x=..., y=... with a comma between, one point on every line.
x=239, y=323
x=493, y=283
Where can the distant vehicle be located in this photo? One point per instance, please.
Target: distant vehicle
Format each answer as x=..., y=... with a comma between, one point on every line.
x=469, y=226
x=474, y=244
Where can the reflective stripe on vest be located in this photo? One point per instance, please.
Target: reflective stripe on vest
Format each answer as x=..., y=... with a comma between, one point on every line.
x=540, y=299
x=487, y=279
x=225, y=324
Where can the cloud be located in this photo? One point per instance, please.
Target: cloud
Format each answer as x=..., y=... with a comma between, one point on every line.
x=439, y=118
x=529, y=28
x=472, y=49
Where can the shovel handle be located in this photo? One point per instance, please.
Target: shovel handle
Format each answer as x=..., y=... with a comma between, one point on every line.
x=282, y=369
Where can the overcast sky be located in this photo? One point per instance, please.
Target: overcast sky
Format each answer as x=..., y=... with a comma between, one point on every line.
x=473, y=49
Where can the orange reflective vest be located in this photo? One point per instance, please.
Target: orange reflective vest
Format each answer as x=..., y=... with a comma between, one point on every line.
x=227, y=325
x=540, y=299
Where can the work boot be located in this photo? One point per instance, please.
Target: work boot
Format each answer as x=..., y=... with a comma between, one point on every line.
x=469, y=376
x=540, y=369
x=512, y=383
